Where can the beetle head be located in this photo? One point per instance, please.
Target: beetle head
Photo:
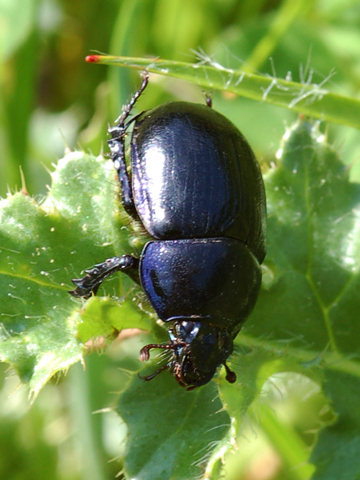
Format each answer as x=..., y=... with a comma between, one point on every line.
x=198, y=349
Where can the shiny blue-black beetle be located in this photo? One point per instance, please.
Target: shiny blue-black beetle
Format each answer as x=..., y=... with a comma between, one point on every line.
x=197, y=189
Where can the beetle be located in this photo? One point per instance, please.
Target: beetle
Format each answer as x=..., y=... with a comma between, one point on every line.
x=197, y=189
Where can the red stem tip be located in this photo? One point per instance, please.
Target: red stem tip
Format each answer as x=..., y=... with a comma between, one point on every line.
x=92, y=58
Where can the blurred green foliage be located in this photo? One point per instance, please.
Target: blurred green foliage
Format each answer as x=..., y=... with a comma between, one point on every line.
x=50, y=98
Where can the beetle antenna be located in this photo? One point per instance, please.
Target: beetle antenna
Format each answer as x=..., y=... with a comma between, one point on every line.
x=144, y=352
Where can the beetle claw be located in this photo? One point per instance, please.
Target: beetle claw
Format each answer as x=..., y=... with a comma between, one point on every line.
x=230, y=375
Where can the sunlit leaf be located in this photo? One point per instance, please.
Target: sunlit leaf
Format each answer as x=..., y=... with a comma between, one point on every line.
x=42, y=247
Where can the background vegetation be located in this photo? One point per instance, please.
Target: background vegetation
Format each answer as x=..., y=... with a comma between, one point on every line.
x=50, y=98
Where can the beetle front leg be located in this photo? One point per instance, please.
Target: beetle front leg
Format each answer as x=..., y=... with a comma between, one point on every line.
x=94, y=277
x=117, y=150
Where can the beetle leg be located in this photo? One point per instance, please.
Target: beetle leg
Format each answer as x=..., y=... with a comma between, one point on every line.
x=208, y=99
x=90, y=283
x=120, y=121
x=151, y=376
x=117, y=149
x=230, y=375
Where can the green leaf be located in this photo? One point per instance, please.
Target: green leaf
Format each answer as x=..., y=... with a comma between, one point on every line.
x=336, y=454
x=308, y=309
x=309, y=98
x=17, y=20
x=313, y=248
x=172, y=432
x=43, y=246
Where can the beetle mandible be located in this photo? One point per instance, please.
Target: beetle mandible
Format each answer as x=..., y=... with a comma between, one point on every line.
x=197, y=189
